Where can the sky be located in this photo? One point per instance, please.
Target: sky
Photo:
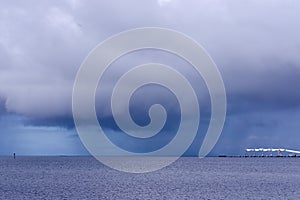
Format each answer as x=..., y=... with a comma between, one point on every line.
x=255, y=44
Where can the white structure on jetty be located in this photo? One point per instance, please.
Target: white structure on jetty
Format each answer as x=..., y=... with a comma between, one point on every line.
x=269, y=152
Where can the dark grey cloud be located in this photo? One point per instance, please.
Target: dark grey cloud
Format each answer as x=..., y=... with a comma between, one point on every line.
x=2, y=107
x=265, y=90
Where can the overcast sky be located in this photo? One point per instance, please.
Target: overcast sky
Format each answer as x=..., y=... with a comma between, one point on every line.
x=255, y=44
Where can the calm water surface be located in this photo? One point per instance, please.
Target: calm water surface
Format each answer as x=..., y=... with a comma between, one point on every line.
x=187, y=178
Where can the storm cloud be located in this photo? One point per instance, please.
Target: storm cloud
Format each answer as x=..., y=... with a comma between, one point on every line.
x=255, y=44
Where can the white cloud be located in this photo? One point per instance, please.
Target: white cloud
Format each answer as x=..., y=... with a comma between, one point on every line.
x=163, y=2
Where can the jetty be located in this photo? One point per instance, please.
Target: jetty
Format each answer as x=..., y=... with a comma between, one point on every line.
x=270, y=152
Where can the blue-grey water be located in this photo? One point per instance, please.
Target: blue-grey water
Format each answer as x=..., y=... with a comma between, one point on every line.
x=187, y=178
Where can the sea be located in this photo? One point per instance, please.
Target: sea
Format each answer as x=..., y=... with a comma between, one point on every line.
x=187, y=178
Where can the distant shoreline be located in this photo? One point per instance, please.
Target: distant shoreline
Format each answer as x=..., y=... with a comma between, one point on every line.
x=90, y=156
